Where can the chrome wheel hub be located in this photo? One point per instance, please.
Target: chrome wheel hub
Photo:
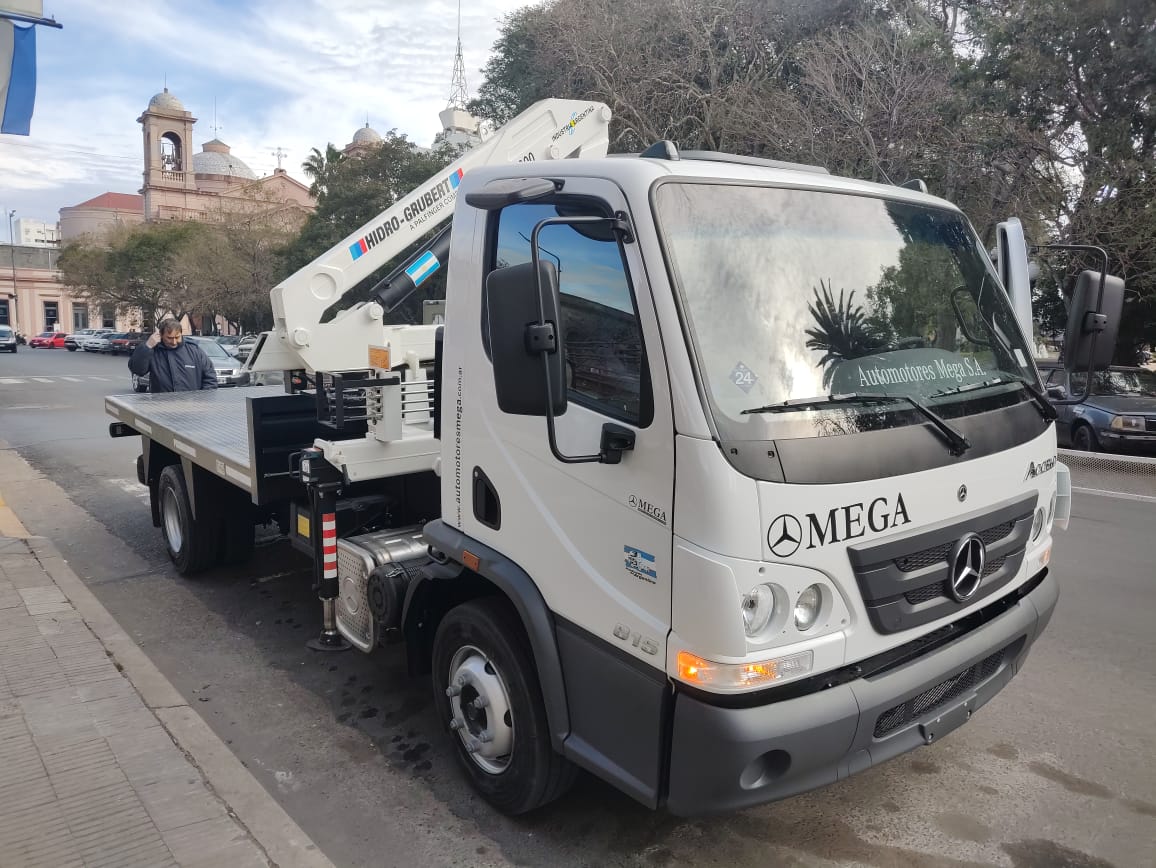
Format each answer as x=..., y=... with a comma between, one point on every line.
x=171, y=516
x=480, y=709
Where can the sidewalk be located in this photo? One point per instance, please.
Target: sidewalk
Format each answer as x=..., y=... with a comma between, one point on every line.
x=102, y=762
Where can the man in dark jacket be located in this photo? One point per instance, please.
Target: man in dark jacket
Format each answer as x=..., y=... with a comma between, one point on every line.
x=171, y=364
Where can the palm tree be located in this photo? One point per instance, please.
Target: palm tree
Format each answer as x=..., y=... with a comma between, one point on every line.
x=843, y=331
x=320, y=166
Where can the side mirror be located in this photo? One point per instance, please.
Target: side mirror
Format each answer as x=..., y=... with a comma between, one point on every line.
x=511, y=309
x=1057, y=392
x=1093, y=321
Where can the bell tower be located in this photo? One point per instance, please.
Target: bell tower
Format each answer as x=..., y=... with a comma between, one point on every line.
x=168, y=156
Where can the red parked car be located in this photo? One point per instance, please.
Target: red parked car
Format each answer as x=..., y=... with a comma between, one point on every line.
x=48, y=341
x=124, y=343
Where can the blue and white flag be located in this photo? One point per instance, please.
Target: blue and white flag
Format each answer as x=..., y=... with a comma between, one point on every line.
x=17, y=77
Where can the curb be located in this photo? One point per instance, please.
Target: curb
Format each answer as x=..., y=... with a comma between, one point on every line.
x=284, y=842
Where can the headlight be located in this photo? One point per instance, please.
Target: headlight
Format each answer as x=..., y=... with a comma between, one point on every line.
x=1038, y=523
x=758, y=609
x=1127, y=423
x=807, y=608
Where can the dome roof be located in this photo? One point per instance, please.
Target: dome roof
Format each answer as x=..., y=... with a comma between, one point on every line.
x=166, y=102
x=367, y=135
x=215, y=159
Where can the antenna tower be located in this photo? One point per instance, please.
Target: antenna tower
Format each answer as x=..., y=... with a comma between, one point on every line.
x=459, y=95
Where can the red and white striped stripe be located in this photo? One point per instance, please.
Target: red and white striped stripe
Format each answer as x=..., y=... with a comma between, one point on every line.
x=329, y=544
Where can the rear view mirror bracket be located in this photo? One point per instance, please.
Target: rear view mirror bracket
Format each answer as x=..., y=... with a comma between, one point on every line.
x=542, y=339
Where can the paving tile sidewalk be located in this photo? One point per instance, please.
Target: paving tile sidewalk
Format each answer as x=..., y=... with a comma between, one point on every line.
x=89, y=775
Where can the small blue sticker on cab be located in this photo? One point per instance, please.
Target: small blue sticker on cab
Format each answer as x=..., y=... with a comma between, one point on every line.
x=640, y=564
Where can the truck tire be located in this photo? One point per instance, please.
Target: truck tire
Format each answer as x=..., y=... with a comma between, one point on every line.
x=192, y=544
x=481, y=653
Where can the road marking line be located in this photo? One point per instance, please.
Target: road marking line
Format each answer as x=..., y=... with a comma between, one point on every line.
x=12, y=381
x=102, y=379
x=73, y=379
x=1122, y=495
x=43, y=380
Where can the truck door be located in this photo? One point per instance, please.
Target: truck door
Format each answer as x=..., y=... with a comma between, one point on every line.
x=595, y=538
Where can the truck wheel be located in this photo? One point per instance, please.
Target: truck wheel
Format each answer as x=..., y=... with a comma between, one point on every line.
x=1084, y=439
x=191, y=543
x=486, y=690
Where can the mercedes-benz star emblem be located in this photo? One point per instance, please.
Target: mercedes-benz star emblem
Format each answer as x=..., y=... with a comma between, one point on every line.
x=967, y=562
x=784, y=536
x=962, y=493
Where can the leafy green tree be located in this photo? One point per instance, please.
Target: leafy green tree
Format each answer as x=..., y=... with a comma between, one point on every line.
x=134, y=269
x=1083, y=74
x=235, y=259
x=320, y=168
x=357, y=190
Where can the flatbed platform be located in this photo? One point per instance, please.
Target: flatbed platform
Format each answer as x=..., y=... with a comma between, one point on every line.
x=210, y=428
x=247, y=436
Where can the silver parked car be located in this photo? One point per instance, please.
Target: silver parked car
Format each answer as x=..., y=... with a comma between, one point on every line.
x=97, y=342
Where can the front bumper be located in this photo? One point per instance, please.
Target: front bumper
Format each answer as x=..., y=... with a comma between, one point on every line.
x=1137, y=443
x=724, y=758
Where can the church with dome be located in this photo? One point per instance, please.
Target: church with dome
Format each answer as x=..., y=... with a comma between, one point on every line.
x=179, y=184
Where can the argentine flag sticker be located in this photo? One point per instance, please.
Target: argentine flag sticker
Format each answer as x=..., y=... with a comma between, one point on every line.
x=425, y=265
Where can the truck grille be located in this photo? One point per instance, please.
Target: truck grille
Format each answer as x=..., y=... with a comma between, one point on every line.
x=904, y=579
x=940, y=589
x=939, y=553
x=941, y=694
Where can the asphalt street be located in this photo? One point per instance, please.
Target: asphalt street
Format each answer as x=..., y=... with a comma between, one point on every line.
x=1058, y=770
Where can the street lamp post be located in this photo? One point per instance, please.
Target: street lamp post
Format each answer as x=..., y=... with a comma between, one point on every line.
x=12, y=251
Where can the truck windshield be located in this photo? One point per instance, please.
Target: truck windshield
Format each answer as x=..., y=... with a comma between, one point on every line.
x=792, y=295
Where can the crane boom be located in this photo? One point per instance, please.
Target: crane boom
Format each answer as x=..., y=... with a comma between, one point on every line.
x=547, y=130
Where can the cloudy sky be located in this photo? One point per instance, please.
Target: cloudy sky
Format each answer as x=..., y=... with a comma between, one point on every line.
x=293, y=74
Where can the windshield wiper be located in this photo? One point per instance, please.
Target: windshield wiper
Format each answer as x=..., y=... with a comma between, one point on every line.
x=1038, y=398
x=955, y=440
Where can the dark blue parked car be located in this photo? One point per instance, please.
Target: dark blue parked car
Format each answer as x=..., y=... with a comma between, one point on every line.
x=1119, y=415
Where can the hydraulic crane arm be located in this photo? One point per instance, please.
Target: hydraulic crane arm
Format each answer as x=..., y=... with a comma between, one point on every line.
x=549, y=129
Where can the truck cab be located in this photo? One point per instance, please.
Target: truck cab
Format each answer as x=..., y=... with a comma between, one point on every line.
x=826, y=542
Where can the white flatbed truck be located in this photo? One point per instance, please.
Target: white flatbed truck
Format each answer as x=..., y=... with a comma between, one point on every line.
x=724, y=479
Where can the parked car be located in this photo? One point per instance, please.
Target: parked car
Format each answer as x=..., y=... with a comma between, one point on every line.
x=229, y=342
x=97, y=341
x=72, y=342
x=224, y=364
x=245, y=346
x=125, y=342
x=7, y=339
x=48, y=341
x=248, y=377
x=1118, y=416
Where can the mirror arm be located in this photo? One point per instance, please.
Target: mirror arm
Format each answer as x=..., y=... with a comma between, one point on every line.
x=542, y=338
x=1097, y=325
x=962, y=321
